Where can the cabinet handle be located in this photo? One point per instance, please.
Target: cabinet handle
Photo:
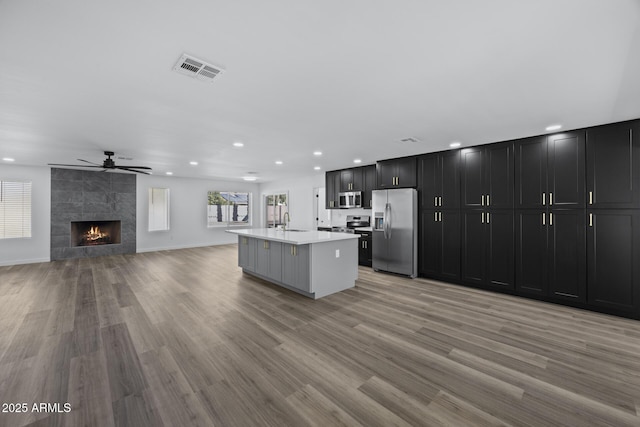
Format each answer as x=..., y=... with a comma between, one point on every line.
x=487, y=200
x=482, y=203
x=435, y=217
x=487, y=217
x=590, y=197
x=590, y=220
x=550, y=199
x=483, y=214
x=435, y=201
x=550, y=218
x=544, y=199
x=440, y=201
x=440, y=216
x=544, y=217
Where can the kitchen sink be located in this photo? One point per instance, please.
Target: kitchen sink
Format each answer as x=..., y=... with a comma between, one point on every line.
x=295, y=231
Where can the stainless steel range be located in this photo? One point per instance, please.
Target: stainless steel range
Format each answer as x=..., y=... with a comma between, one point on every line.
x=353, y=222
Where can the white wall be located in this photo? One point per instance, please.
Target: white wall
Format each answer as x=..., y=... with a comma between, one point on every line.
x=37, y=248
x=300, y=199
x=187, y=212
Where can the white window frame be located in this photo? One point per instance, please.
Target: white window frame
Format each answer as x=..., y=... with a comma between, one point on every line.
x=15, y=209
x=228, y=207
x=159, y=207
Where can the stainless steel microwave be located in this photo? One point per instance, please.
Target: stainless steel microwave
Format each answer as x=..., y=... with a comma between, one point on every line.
x=350, y=199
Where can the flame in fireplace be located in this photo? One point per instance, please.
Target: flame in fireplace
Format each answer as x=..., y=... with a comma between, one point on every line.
x=94, y=233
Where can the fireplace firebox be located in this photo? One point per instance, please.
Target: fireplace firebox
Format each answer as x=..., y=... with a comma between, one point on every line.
x=95, y=233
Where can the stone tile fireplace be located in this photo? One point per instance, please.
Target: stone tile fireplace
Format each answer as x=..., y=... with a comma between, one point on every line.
x=92, y=213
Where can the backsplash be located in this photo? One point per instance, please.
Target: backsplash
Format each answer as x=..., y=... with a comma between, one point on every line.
x=338, y=217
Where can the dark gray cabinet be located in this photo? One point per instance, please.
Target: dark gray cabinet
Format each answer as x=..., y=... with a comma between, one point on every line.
x=369, y=184
x=439, y=180
x=613, y=241
x=550, y=171
x=396, y=173
x=551, y=254
x=439, y=245
x=487, y=176
x=247, y=253
x=487, y=248
x=295, y=266
x=613, y=166
x=351, y=180
x=365, y=252
x=332, y=189
x=269, y=259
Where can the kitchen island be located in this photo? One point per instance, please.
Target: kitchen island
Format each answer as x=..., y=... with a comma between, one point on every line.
x=312, y=263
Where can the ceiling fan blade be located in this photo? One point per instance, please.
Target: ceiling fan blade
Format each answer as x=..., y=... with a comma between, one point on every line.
x=132, y=170
x=75, y=166
x=87, y=161
x=136, y=167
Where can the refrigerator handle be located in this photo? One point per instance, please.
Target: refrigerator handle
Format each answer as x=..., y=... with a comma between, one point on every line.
x=386, y=221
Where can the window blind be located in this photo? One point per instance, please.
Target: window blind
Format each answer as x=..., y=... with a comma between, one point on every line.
x=15, y=209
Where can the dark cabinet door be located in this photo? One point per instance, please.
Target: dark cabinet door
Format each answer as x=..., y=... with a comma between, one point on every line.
x=487, y=248
x=613, y=171
x=499, y=176
x=473, y=193
x=567, y=254
x=450, y=245
x=531, y=172
x=386, y=174
x=364, y=251
x=531, y=252
x=613, y=241
x=566, y=160
x=473, y=247
x=428, y=180
x=449, y=179
x=332, y=189
x=346, y=179
x=500, y=249
x=369, y=184
x=429, y=244
x=406, y=172
x=397, y=173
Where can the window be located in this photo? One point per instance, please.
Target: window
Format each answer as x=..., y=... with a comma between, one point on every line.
x=277, y=206
x=15, y=209
x=158, y=209
x=225, y=208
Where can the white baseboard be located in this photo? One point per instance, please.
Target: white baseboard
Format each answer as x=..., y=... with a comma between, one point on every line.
x=169, y=248
x=24, y=261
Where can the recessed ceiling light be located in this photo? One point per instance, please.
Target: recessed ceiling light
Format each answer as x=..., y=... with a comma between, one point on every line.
x=357, y=161
x=193, y=163
x=278, y=162
x=316, y=168
x=553, y=127
x=238, y=144
x=8, y=159
x=317, y=153
x=455, y=144
x=169, y=173
x=249, y=178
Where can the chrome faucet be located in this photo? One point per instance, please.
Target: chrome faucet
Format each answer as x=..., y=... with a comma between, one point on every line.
x=285, y=217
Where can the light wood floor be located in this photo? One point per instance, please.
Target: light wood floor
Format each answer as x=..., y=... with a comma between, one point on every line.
x=182, y=338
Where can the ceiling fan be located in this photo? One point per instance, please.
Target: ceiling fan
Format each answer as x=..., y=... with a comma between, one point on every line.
x=107, y=164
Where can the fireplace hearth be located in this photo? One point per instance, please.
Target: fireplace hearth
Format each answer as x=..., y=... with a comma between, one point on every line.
x=95, y=233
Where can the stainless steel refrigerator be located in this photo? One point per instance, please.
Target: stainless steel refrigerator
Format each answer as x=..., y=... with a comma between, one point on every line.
x=395, y=229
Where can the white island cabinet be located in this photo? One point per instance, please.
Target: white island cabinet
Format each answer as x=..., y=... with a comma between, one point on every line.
x=312, y=263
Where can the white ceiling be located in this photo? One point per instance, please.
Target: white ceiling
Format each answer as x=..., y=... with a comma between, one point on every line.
x=349, y=78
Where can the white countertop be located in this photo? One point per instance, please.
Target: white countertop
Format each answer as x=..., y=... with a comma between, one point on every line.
x=293, y=237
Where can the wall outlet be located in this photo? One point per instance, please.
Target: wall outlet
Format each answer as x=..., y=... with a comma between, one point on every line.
x=337, y=253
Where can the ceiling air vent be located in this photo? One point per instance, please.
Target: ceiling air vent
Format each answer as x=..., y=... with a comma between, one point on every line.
x=409, y=140
x=190, y=66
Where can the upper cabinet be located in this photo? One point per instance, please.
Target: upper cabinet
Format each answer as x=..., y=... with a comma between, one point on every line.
x=487, y=176
x=351, y=180
x=550, y=171
x=332, y=189
x=613, y=172
x=369, y=184
x=397, y=173
x=439, y=180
